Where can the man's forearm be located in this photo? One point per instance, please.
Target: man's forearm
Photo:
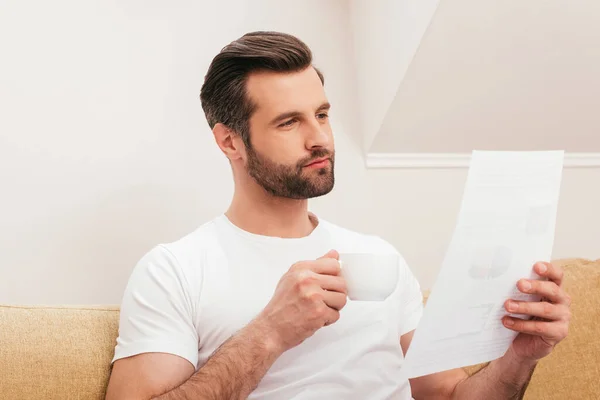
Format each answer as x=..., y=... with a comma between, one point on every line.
x=503, y=379
x=233, y=371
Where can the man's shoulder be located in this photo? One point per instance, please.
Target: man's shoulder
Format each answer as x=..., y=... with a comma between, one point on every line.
x=178, y=265
x=193, y=247
x=190, y=249
x=348, y=240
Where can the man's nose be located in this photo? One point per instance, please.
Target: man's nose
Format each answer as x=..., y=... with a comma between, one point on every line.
x=317, y=136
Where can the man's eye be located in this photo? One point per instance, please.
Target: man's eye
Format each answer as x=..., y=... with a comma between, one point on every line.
x=322, y=116
x=287, y=123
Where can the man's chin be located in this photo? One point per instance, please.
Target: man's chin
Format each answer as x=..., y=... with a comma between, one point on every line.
x=316, y=189
x=320, y=194
x=321, y=190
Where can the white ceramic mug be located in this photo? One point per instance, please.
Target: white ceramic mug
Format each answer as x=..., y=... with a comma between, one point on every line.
x=370, y=276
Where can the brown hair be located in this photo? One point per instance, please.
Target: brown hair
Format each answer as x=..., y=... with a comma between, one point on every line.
x=223, y=94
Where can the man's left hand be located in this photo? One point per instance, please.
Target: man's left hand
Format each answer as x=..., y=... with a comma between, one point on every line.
x=550, y=323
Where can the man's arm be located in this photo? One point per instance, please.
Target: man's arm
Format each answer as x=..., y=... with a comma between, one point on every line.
x=502, y=379
x=232, y=372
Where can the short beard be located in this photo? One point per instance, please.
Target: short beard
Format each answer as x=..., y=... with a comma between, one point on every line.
x=289, y=181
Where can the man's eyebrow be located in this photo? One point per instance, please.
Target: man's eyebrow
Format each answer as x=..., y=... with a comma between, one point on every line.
x=284, y=116
x=291, y=114
x=324, y=107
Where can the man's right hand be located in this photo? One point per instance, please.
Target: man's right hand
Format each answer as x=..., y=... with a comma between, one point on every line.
x=308, y=297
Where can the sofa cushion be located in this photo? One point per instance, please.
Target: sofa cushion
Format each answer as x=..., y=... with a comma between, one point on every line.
x=56, y=352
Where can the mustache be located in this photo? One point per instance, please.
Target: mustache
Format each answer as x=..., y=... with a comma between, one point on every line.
x=316, y=154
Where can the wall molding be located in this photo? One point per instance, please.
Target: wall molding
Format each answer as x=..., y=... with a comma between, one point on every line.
x=459, y=160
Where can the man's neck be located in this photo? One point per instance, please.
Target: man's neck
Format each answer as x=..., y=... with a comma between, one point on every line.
x=258, y=212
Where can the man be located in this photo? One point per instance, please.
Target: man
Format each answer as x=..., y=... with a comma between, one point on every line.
x=252, y=304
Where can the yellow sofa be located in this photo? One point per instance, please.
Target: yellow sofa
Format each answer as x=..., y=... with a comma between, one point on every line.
x=65, y=352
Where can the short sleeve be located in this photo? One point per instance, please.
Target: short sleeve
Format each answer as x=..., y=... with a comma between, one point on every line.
x=157, y=310
x=411, y=299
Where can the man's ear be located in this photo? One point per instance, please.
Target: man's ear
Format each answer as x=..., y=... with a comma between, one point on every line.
x=228, y=141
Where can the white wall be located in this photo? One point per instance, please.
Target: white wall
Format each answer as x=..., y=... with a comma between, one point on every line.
x=501, y=75
x=104, y=150
x=385, y=35
x=498, y=75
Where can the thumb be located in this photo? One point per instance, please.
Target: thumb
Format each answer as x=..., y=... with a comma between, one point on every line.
x=331, y=254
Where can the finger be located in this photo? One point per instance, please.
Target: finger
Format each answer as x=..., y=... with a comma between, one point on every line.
x=331, y=317
x=546, y=289
x=539, y=309
x=334, y=300
x=553, y=272
x=552, y=332
x=326, y=266
x=330, y=254
x=333, y=283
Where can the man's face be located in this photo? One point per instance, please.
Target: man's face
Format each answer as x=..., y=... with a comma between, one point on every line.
x=292, y=152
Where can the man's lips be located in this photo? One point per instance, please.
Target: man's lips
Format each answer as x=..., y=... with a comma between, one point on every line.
x=318, y=163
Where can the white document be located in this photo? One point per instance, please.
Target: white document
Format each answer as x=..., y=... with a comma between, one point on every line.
x=505, y=224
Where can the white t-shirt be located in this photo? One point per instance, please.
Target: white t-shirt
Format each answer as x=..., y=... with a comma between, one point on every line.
x=188, y=297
